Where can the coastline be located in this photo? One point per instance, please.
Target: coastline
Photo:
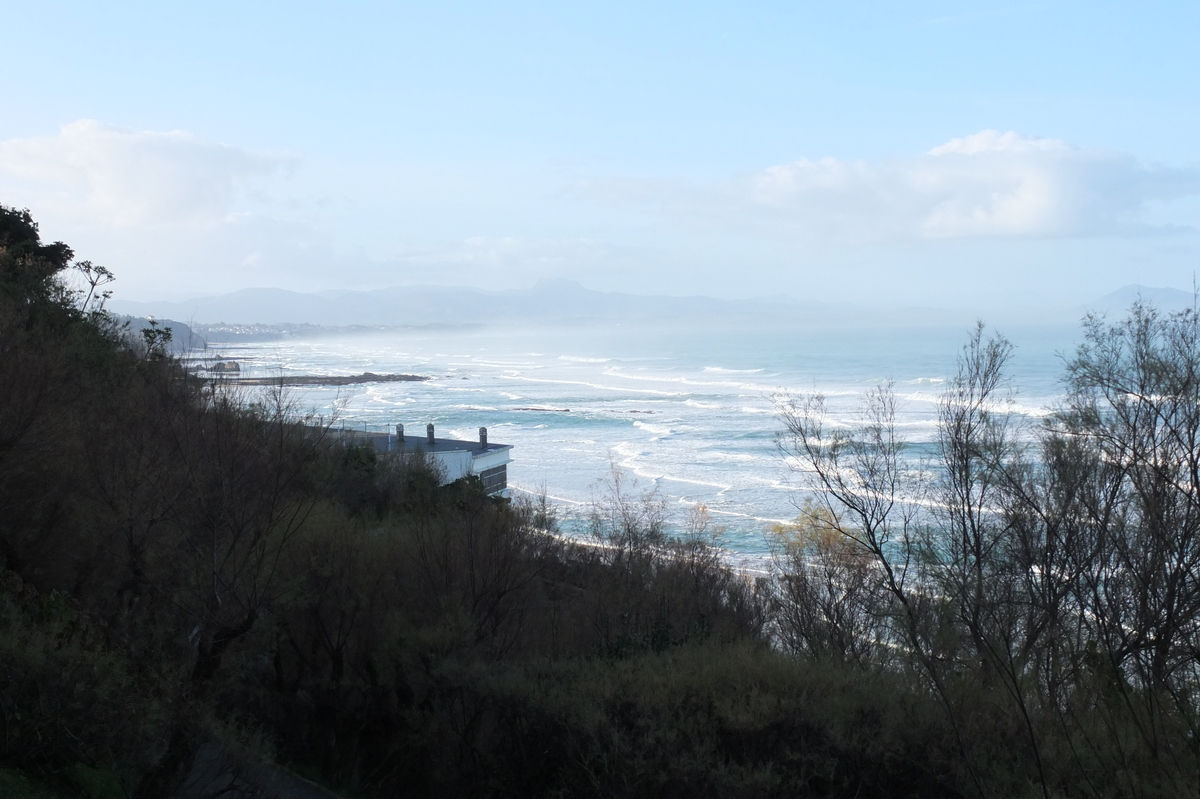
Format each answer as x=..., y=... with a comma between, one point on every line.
x=323, y=380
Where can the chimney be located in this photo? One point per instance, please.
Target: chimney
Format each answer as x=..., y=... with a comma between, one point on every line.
x=483, y=438
x=429, y=432
x=400, y=433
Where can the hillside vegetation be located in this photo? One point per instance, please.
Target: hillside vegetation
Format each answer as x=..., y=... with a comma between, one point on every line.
x=189, y=574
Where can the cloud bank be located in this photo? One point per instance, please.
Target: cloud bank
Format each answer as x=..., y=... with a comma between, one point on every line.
x=126, y=178
x=176, y=214
x=988, y=184
x=170, y=212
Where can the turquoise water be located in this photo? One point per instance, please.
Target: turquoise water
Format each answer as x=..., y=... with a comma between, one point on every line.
x=688, y=409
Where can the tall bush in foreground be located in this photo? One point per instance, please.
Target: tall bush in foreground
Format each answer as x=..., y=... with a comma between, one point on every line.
x=1043, y=584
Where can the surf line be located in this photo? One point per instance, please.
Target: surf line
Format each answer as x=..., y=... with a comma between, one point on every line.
x=599, y=386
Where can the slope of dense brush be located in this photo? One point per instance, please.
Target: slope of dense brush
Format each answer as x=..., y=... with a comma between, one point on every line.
x=184, y=569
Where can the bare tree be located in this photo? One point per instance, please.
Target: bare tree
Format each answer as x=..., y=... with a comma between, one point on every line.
x=625, y=517
x=827, y=597
x=939, y=546
x=1124, y=525
x=858, y=479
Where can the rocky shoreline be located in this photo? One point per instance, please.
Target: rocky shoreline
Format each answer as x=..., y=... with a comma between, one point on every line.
x=325, y=380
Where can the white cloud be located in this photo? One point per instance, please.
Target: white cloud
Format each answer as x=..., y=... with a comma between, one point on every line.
x=127, y=178
x=989, y=184
x=176, y=214
x=167, y=211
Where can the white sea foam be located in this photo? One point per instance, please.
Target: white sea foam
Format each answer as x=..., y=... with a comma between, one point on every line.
x=718, y=456
x=654, y=429
x=918, y=424
x=920, y=396
x=723, y=370
x=707, y=433
x=687, y=381
x=536, y=491
x=766, y=519
x=626, y=453
x=1036, y=412
x=503, y=364
x=689, y=481
x=619, y=389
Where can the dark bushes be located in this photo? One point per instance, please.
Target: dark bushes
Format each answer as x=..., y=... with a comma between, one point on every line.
x=185, y=570
x=182, y=565
x=1044, y=587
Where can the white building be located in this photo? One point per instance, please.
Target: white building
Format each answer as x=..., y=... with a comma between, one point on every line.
x=455, y=458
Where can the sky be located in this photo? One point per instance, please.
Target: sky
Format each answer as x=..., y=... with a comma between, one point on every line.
x=920, y=153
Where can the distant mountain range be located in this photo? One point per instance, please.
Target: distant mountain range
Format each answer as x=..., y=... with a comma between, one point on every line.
x=561, y=301
x=1164, y=299
x=547, y=301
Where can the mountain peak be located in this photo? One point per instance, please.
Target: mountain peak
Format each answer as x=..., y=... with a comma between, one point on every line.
x=558, y=285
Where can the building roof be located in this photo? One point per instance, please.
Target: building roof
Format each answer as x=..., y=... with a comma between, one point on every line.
x=420, y=443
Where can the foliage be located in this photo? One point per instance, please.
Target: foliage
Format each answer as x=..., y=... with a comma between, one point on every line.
x=1044, y=587
x=826, y=598
x=15, y=785
x=195, y=581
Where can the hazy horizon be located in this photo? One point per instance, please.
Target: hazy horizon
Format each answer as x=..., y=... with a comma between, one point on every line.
x=559, y=300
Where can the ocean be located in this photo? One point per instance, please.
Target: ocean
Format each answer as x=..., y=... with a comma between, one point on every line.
x=688, y=409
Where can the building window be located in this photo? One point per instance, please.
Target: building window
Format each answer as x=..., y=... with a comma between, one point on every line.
x=495, y=479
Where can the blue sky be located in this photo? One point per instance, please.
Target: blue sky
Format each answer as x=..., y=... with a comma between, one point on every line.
x=923, y=153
